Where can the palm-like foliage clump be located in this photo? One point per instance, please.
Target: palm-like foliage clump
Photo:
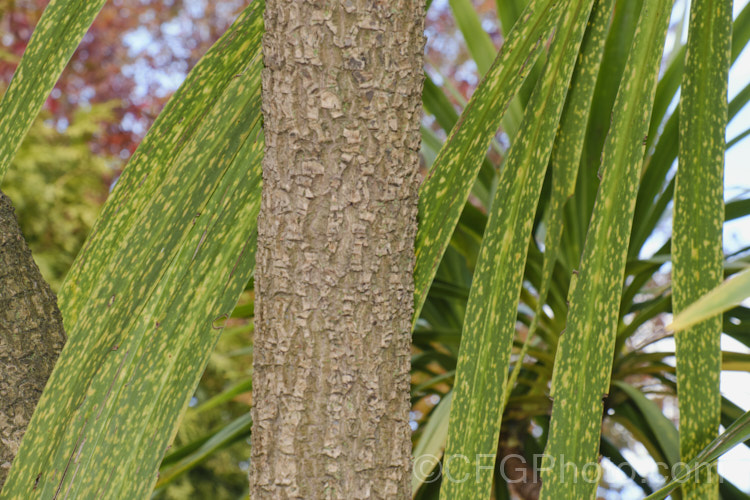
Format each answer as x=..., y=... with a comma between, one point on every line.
x=643, y=378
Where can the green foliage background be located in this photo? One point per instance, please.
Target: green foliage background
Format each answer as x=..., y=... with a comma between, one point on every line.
x=58, y=185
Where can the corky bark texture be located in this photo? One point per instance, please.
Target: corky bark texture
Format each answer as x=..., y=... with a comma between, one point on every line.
x=341, y=103
x=31, y=335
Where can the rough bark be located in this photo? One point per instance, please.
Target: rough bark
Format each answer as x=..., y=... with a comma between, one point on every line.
x=341, y=103
x=31, y=335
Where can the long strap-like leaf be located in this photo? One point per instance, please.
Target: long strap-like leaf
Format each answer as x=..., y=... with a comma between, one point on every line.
x=444, y=193
x=55, y=38
x=697, y=252
x=584, y=357
x=729, y=294
x=173, y=250
x=653, y=198
x=483, y=51
x=566, y=154
x=493, y=302
x=578, y=209
x=735, y=434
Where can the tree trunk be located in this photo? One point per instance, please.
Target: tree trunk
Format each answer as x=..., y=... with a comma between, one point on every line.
x=31, y=335
x=342, y=105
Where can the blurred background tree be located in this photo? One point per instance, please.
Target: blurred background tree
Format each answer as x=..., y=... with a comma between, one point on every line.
x=136, y=53
x=57, y=184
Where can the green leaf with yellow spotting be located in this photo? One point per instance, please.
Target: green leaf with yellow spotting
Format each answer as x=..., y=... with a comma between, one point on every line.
x=489, y=325
x=483, y=52
x=566, y=153
x=446, y=189
x=697, y=251
x=584, y=356
x=727, y=295
x=55, y=38
x=653, y=198
x=144, y=305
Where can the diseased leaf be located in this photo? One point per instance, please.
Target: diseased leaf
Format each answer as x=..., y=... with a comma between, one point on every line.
x=52, y=44
x=483, y=53
x=508, y=12
x=584, y=357
x=444, y=193
x=729, y=294
x=653, y=196
x=566, y=153
x=489, y=326
x=697, y=251
x=566, y=156
x=436, y=102
x=735, y=434
x=145, y=302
